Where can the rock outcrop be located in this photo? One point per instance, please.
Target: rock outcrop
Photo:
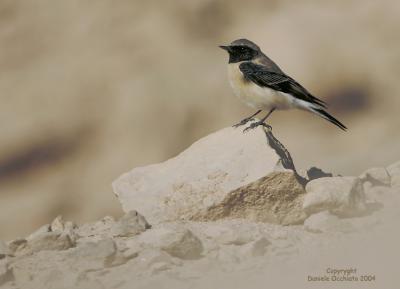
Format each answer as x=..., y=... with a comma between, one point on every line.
x=343, y=196
x=229, y=205
x=276, y=198
x=394, y=172
x=219, y=171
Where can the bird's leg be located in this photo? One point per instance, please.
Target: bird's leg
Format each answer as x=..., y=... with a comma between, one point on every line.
x=261, y=122
x=247, y=119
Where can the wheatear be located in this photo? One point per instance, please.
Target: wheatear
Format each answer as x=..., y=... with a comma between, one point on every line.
x=262, y=85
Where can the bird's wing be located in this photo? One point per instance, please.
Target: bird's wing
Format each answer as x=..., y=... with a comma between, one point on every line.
x=261, y=76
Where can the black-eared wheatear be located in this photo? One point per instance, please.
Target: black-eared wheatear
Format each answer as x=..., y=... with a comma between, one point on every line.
x=262, y=85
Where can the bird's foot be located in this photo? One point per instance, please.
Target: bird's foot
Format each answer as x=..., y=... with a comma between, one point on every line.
x=243, y=122
x=268, y=127
x=256, y=124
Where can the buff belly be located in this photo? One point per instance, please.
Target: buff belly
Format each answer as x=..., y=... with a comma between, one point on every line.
x=255, y=96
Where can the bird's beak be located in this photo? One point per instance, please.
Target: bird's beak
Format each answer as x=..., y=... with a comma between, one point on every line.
x=227, y=48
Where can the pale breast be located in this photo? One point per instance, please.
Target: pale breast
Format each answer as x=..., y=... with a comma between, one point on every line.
x=255, y=96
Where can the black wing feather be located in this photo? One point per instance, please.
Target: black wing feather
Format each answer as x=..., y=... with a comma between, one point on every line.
x=261, y=76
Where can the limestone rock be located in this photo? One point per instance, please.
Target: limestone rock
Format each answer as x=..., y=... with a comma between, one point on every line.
x=343, y=196
x=199, y=177
x=6, y=274
x=394, y=172
x=63, y=269
x=155, y=260
x=276, y=198
x=380, y=194
x=176, y=241
x=59, y=224
x=47, y=241
x=17, y=244
x=58, y=235
x=326, y=222
x=394, y=169
x=256, y=248
x=226, y=235
x=95, y=231
x=46, y=269
x=376, y=176
x=132, y=223
x=92, y=255
x=42, y=230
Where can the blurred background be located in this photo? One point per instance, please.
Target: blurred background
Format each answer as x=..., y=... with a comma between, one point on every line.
x=90, y=89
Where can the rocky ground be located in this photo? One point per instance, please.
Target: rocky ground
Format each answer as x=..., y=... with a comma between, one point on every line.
x=229, y=212
x=85, y=87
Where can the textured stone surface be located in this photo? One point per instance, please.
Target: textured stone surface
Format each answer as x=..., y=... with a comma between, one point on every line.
x=255, y=248
x=181, y=254
x=326, y=222
x=42, y=230
x=376, y=176
x=132, y=223
x=394, y=172
x=100, y=229
x=17, y=244
x=92, y=255
x=47, y=241
x=221, y=225
x=6, y=274
x=343, y=196
x=176, y=241
x=276, y=198
x=199, y=177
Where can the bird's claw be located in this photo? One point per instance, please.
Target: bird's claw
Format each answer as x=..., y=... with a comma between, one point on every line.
x=267, y=126
x=256, y=124
x=243, y=122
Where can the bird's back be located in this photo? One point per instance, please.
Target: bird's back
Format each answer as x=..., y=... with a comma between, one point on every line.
x=268, y=63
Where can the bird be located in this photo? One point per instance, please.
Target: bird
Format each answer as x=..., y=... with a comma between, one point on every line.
x=261, y=84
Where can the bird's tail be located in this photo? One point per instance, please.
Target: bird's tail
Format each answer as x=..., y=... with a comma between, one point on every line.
x=322, y=113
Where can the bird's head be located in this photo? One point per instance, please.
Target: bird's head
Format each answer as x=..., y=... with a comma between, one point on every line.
x=241, y=50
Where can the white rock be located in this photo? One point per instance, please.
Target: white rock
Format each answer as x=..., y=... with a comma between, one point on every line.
x=343, y=196
x=228, y=254
x=95, y=231
x=199, y=177
x=47, y=241
x=64, y=269
x=326, y=222
x=376, y=176
x=132, y=223
x=17, y=245
x=56, y=236
x=42, y=230
x=394, y=169
x=46, y=269
x=155, y=261
x=176, y=241
x=394, y=172
x=256, y=248
x=376, y=193
x=57, y=224
x=65, y=227
x=6, y=274
x=92, y=255
x=225, y=235
x=132, y=252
